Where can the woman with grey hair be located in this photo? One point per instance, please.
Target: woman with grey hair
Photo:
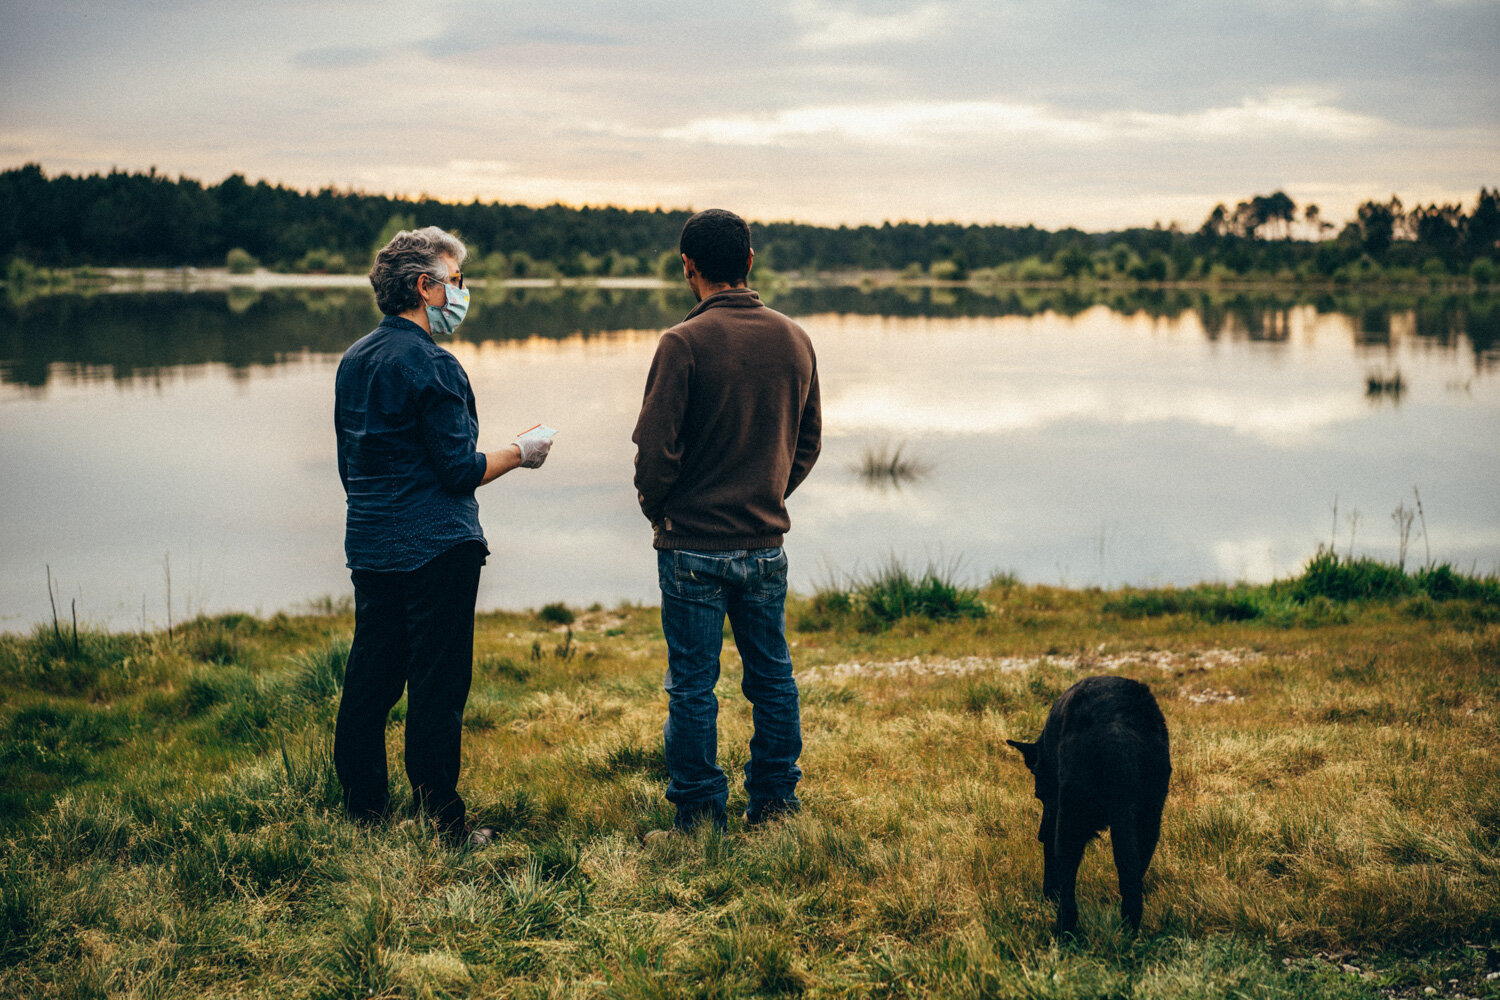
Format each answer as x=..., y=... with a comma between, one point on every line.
x=409, y=458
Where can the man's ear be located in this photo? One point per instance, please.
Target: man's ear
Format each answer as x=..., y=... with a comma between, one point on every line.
x=1028, y=751
x=749, y=263
x=689, y=269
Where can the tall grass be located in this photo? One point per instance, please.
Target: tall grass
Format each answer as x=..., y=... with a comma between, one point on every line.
x=320, y=672
x=1348, y=579
x=880, y=599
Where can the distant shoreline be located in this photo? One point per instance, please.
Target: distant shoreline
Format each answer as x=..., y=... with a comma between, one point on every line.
x=154, y=279
x=171, y=279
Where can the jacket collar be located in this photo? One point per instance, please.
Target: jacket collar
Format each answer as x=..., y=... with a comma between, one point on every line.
x=730, y=298
x=402, y=323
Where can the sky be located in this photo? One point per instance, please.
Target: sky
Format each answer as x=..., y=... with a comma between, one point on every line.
x=1099, y=114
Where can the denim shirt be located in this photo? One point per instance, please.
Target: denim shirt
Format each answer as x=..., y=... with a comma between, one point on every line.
x=408, y=437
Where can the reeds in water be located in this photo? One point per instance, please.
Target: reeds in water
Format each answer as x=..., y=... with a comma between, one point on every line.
x=884, y=465
x=1378, y=385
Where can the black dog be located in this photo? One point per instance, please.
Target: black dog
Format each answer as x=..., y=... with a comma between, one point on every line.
x=1101, y=761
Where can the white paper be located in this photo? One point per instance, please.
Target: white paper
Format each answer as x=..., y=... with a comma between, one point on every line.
x=541, y=432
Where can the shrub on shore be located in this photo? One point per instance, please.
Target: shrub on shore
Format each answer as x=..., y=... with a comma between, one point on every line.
x=240, y=261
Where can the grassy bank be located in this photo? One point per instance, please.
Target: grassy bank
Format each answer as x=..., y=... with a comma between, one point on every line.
x=170, y=825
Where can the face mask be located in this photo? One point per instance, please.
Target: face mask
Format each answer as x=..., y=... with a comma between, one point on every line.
x=444, y=319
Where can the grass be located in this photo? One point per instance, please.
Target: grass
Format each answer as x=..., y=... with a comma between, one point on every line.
x=170, y=824
x=878, y=600
x=1323, y=593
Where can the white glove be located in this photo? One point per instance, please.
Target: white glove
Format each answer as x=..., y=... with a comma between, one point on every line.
x=533, y=451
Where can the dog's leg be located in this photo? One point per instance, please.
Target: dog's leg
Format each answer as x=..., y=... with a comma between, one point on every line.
x=1047, y=834
x=1067, y=856
x=1124, y=836
x=1051, y=871
x=1148, y=825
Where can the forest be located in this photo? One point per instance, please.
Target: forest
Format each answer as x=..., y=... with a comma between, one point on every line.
x=150, y=219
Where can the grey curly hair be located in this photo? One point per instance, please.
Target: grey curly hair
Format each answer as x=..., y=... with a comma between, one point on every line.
x=410, y=254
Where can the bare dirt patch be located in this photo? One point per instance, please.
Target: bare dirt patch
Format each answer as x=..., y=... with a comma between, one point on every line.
x=1164, y=661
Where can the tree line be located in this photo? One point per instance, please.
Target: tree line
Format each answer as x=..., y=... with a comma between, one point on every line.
x=150, y=219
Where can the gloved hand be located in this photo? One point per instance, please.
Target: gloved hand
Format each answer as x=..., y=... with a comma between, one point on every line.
x=533, y=451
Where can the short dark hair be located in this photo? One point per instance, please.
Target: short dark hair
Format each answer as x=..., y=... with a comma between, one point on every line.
x=400, y=264
x=718, y=243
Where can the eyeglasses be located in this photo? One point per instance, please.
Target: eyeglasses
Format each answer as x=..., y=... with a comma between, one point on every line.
x=456, y=279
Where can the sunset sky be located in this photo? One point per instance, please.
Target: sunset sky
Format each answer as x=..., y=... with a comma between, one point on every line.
x=1094, y=113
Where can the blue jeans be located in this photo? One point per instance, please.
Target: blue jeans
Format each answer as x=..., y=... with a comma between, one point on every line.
x=697, y=590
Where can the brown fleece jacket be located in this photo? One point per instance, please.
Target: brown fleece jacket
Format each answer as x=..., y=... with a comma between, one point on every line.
x=730, y=425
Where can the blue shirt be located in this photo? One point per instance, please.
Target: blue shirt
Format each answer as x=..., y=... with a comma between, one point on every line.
x=408, y=437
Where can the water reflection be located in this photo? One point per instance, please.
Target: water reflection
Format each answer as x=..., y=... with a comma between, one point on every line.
x=1136, y=437
x=127, y=336
x=890, y=465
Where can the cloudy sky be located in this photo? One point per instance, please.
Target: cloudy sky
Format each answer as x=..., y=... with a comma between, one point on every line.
x=1095, y=113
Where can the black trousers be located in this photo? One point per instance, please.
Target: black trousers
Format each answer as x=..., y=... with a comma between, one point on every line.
x=412, y=630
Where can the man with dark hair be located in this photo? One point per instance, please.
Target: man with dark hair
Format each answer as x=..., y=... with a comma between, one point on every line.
x=729, y=427
x=409, y=459
x=718, y=243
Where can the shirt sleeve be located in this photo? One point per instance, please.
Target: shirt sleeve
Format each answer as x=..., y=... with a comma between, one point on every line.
x=450, y=428
x=658, y=457
x=809, y=435
x=338, y=438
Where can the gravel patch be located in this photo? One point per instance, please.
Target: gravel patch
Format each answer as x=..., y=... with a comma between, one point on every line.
x=1208, y=696
x=1164, y=661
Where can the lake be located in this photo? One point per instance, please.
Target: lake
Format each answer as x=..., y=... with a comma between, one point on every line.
x=183, y=441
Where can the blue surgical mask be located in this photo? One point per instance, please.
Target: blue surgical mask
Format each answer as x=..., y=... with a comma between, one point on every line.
x=444, y=319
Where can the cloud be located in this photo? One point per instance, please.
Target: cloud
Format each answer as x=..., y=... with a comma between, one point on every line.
x=566, y=35
x=336, y=57
x=1279, y=114
x=505, y=181
x=901, y=122
x=920, y=122
x=841, y=27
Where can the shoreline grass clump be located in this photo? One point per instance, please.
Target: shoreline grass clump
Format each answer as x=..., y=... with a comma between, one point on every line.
x=170, y=825
x=1323, y=592
x=880, y=599
x=1356, y=579
x=556, y=613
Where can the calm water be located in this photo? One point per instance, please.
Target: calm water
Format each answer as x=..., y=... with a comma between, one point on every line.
x=1145, y=440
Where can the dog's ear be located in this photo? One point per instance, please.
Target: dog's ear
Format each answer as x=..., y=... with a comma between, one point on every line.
x=1028, y=750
